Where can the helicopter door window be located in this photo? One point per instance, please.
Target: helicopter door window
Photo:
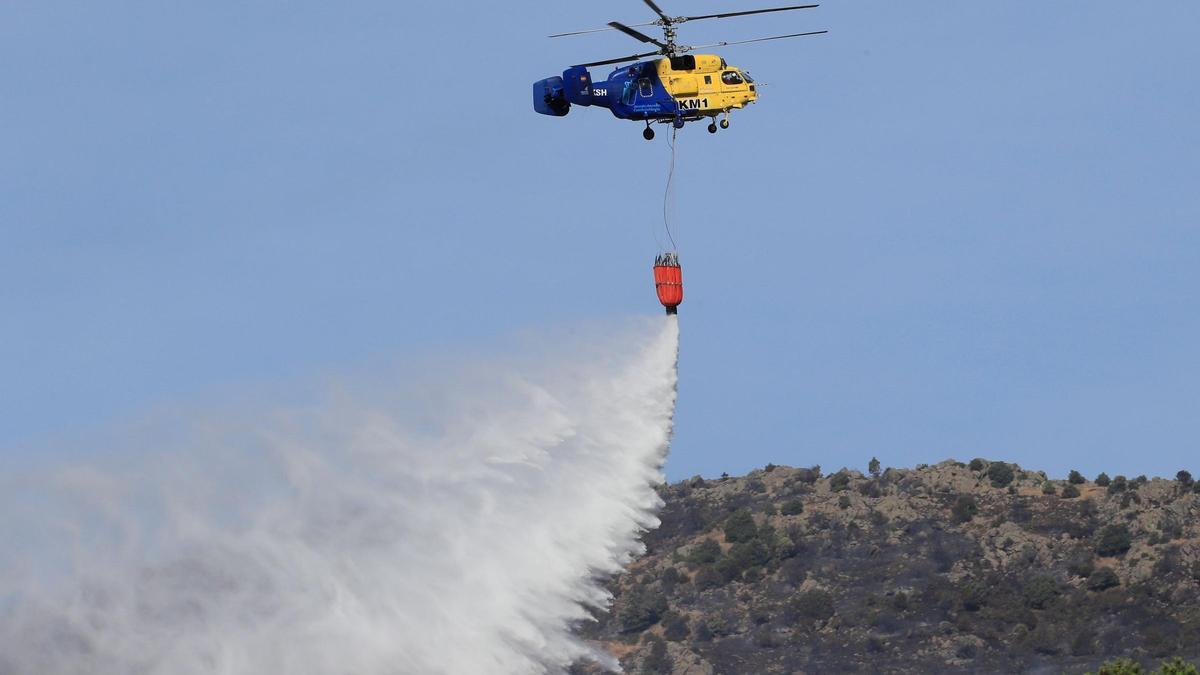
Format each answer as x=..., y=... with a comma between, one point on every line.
x=644, y=87
x=708, y=79
x=731, y=77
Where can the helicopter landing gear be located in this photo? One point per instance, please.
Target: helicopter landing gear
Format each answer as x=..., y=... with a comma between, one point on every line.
x=648, y=134
x=712, y=128
x=725, y=122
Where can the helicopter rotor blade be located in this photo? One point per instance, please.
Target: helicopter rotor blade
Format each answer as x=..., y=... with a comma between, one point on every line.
x=742, y=42
x=726, y=15
x=623, y=59
x=637, y=35
x=600, y=30
x=658, y=10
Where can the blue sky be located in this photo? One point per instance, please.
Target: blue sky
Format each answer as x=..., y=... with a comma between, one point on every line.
x=947, y=229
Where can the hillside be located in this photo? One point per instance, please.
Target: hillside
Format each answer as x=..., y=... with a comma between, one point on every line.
x=949, y=568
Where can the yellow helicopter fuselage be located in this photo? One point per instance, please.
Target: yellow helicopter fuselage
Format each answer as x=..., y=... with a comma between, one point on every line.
x=709, y=88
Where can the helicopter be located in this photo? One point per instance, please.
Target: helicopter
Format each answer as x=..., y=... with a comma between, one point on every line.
x=679, y=88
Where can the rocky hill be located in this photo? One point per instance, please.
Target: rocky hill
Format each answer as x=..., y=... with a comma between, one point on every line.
x=981, y=567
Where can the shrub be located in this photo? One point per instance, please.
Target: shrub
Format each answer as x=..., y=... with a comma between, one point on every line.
x=675, y=629
x=1118, y=484
x=810, y=475
x=813, y=605
x=1103, y=579
x=1076, y=478
x=769, y=468
x=742, y=557
x=1081, y=564
x=705, y=552
x=656, y=660
x=1184, y=478
x=1001, y=474
x=1048, y=488
x=739, y=526
x=977, y=464
x=701, y=632
x=964, y=509
x=1070, y=491
x=840, y=481
x=1040, y=591
x=1177, y=666
x=1120, y=667
x=642, y=608
x=793, y=507
x=1113, y=540
x=873, y=467
x=708, y=577
x=843, y=502
x=1102, y=480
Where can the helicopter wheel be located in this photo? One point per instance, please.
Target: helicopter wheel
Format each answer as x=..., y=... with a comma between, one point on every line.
x=712, y=128
x=724, y=124
x=648, y=134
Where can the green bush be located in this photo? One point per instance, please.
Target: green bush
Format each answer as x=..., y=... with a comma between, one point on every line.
x=1119, y=667
x=1081, y=564
x=1118, y=484
x=742, y=557
x=1040, y=591
x=1177, y=666
x=1001, y=474
x=739, y=526
x=706, y=578
x=657, y=662
x=675, y=629
x=964, y=509
x=792, y=507
x=1070, y=491
x=1103, y=579
x=1102, y=480
x=977, y=464
x=1076, y=478
x=1048, y=488
x=641, y=608
x=873, y=467
x=840, y=481
x=1185, y=479
x=843, y=502
x=813, y=605
x=706, y=552
x=1113, y=540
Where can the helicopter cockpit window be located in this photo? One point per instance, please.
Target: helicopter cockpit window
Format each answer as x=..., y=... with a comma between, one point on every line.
x=748, y=78
x=731, y=77
x=644, y=87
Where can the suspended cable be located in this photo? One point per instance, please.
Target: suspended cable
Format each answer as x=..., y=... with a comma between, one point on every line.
x=667, y=191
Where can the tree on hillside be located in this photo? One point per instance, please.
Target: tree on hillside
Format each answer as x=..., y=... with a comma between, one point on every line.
x=740, y=526
x=873, y=467
x=1001, y=474
x=1070, y=491
x=1076, y=478
x=964, y=509
x=1102, y=480
x=1185, y=478
x=1113, y=540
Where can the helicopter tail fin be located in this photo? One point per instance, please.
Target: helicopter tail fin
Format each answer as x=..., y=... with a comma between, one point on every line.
x=577, y=84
